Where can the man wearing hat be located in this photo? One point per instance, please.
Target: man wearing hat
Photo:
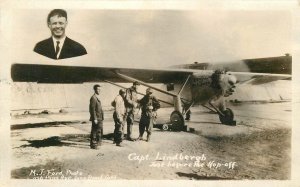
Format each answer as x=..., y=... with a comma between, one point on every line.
x=119, y=117
x=130, y=105
x=149, y=104
x=97, y=117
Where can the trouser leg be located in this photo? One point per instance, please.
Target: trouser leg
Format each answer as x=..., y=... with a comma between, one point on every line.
x=141, y=129
x=115, y=130
x=99, y=132
x=118, y=130
x=149, y=127
x=96, y=134
x=129, y=120
x=143, y=122
x=93, y=138
x=115, y=133
x=123, y=129
x=118, y=134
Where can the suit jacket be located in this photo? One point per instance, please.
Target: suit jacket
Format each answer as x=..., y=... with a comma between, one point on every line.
x=69, y=49
x=96, y=111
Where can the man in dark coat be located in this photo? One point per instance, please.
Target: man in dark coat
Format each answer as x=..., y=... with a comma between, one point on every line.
x=58, y=46
x=149, y=105
x=97, y=117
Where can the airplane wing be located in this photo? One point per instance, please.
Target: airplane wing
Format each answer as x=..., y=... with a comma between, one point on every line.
x=48, y=73
x=259, y=78
x=79, y=74
x=252, y=71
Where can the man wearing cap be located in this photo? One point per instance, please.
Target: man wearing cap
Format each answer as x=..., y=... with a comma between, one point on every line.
x=97, y=117
x=119, y=117
x=149, y=105
x=130, y=105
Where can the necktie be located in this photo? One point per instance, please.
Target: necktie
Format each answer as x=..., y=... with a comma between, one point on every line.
x=57, y=49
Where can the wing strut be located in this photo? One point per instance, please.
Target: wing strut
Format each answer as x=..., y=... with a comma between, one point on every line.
x=137, y=92
x=177, y=98
x=217, y=110
x=145, y=84
x=184, y=84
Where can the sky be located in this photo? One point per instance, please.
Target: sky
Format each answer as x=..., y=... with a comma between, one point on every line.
x=157, y=38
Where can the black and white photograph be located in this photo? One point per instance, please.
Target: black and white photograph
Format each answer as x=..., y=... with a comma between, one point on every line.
x=150, y=92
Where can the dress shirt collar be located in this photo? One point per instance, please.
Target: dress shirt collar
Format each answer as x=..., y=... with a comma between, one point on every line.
x=61, y=43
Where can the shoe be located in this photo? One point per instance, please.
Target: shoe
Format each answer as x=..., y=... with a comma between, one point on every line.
x=130, y=139
x=148, y=139
x=139, y=138
x=94, y=147
x=119, y=145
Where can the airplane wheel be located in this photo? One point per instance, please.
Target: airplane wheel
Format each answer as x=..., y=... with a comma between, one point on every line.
x=177, y=121
x=228, y=118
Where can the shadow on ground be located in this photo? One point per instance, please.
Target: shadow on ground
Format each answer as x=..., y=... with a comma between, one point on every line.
x=48, y=142
x=73, y=140
x=42, y=125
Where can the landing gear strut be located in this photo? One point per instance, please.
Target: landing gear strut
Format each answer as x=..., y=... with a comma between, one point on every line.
x=226, y=116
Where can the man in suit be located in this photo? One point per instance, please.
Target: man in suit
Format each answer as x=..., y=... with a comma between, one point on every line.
x=59, y=46
x=97, y=117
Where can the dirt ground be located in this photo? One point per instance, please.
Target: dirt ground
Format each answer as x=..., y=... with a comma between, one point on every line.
x=258, y=147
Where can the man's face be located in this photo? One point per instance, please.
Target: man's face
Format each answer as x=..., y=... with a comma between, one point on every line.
x=123, y=95
x=148, y=93
x=57, y=26
x=97, y=90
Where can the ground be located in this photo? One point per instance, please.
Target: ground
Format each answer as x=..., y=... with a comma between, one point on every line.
x=258, y=147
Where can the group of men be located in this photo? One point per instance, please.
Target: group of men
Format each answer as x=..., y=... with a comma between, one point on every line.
x=125, y=104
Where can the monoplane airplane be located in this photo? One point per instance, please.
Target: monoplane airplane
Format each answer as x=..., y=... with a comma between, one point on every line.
x=196, y=87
